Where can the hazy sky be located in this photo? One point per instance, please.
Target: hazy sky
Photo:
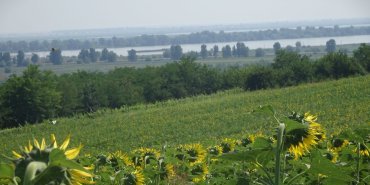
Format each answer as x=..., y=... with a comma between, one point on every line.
x=20, y=16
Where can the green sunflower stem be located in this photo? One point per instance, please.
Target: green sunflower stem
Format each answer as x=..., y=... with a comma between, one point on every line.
x=280, y=135
x=358, y=162
x=31, y=170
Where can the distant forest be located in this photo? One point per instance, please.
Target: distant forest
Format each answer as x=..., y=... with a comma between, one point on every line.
x=193, y=38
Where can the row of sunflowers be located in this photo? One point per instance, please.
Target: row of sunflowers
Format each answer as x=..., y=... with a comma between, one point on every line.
x=299, y=152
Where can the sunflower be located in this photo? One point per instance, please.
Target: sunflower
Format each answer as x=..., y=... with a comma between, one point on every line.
x=215, y=150
x=39, y=152
x=299, y=141
x=228, y=145
x=135, y=178
x=120, y=157
x=168, y=171
x=251, y=138
x=143, y=156
x=199, y=173
x=195, y=153
x=364, y=151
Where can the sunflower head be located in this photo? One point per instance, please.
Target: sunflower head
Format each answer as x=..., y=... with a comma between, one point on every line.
x=167, y=171
x=249, y=139
x=364, y=150
x=40, y=155
x=193, y=153
x=119, y=160
x=228, y=145
x=135, y=177
x=199, y=173
x=215, y=150
x=302, y=134
x=142, y=156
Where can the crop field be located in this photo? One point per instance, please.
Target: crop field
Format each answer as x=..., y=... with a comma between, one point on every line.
x=206, y=119
x=226, y=138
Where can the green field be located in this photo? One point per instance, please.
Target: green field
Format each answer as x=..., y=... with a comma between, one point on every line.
x=206, y=119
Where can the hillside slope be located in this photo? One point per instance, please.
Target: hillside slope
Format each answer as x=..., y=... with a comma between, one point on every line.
x=205, y=119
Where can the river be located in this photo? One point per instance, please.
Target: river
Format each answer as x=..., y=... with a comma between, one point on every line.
x=319, y=41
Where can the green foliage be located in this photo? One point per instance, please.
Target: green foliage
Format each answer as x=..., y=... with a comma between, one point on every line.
x=362, y=56
x=29, y=98
x=337, y=65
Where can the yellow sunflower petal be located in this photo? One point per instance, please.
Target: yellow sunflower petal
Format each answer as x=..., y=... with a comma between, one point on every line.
x=80, y=173
x=79, y=176
x=65, y=143
x=30, y=147
x=36, y=143
x=43, y=144
x=73, y=153
x=53, y=141
x=16, y=155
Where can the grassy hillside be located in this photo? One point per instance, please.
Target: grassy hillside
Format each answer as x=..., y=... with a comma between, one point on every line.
x=205, y=119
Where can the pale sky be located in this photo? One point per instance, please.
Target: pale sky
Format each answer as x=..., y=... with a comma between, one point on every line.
x=24, y=16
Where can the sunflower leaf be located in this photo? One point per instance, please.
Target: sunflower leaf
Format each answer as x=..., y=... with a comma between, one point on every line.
x=259, y=155
x=261, y=143
x=333, y=173
x=265, y=109
x=58, y=158
x=7, y=171
x=293, y=125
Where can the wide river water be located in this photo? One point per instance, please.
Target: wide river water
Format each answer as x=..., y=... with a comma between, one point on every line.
x=319, y=41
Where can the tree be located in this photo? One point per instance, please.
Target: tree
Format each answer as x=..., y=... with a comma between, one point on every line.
x=330, y=46
x=277, y=47
x=166, y=53
x=112, y=56
x=20, y=58
x=56, y=56
x=203, y=51
x=215, y=51
x=93, y=55
x=260, y=52
x=226, y=51
x=176, y=52
x=362, y=56
x=289, y=48
x=83, y=56
x=132, y=55
x=35, y=58
x=242, y=50
x=104, y=54
x=233, y=51
x=7, y=59
x=29, y=98
x=298, y=46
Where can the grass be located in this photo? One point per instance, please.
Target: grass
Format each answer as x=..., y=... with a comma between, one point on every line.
x=206, y=119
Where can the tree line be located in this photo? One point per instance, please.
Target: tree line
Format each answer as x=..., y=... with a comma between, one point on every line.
x=198, y=37
x=38, y=95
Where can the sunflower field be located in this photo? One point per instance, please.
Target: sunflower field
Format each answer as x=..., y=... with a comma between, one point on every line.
x=226, y=138
x=299, y=152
